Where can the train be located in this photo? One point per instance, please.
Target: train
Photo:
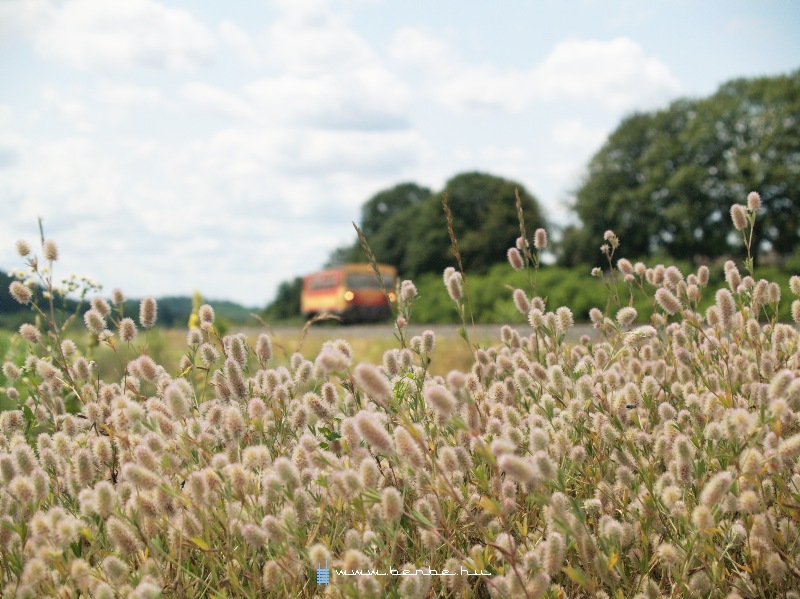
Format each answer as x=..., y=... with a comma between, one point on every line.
x=351, y=291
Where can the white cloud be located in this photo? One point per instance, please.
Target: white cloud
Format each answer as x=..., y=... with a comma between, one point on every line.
x=21, y=17
x=573, y=133
x=128, y=95
x=366, y=98
x=74, y=111
x=113, y=36
x=156, y=197
x=11, y=149
x=6, y=115
x=310, y=39
x=423, y=52
x=615, y=74
x=216, y=100
x=484, y=88
x=241, y=42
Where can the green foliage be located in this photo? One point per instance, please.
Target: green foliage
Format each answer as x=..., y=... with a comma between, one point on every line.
x=484, y=220
x=491, y=293
x=383, y=219
x=176, y=311
x=286, y=305
x=405, y=225
x=665, y=180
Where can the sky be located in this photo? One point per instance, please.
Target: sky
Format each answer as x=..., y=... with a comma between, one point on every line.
x=180, y=145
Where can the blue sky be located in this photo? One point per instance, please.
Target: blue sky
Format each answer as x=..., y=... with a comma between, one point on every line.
x=220, y=146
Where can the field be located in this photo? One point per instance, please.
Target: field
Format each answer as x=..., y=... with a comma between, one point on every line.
x=656, y=457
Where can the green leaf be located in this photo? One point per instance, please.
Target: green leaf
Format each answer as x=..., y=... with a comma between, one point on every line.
x=577, y=576
x=200, y=543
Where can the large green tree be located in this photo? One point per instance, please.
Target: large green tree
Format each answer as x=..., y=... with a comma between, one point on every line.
x=406, y=226
x=384, y=218
x=484, y=220
x=664, y=181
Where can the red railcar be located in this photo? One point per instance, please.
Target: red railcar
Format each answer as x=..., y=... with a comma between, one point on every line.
x=350, y=291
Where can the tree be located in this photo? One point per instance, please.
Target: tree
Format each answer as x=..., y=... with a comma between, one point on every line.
x=406, y=226
x=383, y=217
x=664, y=181
x=386, y=204
x=484, y=220
x=286, y=304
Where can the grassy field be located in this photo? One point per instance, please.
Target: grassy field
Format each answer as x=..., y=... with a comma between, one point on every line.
x=658, y=458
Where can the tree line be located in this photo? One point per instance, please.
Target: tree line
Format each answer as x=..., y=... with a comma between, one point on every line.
x=664, y=181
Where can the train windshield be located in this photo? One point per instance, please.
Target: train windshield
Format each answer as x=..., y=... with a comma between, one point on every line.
x=364, y=280
x=326, y=280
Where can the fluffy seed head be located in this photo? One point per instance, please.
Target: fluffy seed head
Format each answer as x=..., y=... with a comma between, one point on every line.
x=540, y=239
x=233, y=425
x=234, y=379
x=789, y=448
x=407, y=449
x=391, y=504
x=206, y=315
x=739, y=216
x=372, y=431
x=122, y=536
x=715, y=489
x=408, y=291
x=454, y=286
x=148, y=310
x=564, y=319
x=517, y=467
x=753, y=201
x=372, y=380
x=101, y=305
x=176, y=400
x=440, y=399
x=319, y=407
x=146, y=367
x=117, y=296
x=21, y=293
x=287, y=472
x=30, y=333
x=50, y=250
x=23, y=249
x=702, y=517
x=10, y=371
x=726, y=306
x=105, y=498
x=773, y=293
x=264, y=348
x=796, y=311
x=521, y=301
x=667, y=300
x=626, y=316
x=515, y=259
x=536, y=318
x=209, y=354
x=127, y=329
x=794, y=284
x=428, y=341
x=702, y=275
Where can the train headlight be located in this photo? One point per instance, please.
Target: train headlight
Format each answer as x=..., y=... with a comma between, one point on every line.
x=349, y=295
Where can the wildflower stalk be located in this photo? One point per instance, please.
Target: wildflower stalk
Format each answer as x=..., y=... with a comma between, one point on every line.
x=530, y=257
x=457, y=254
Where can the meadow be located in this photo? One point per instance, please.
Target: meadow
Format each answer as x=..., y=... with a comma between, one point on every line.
x=656, y=458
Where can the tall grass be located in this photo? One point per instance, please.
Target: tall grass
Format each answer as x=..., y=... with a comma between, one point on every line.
x=659, y=459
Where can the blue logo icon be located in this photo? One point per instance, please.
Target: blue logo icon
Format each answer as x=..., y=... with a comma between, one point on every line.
x=323, y=574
